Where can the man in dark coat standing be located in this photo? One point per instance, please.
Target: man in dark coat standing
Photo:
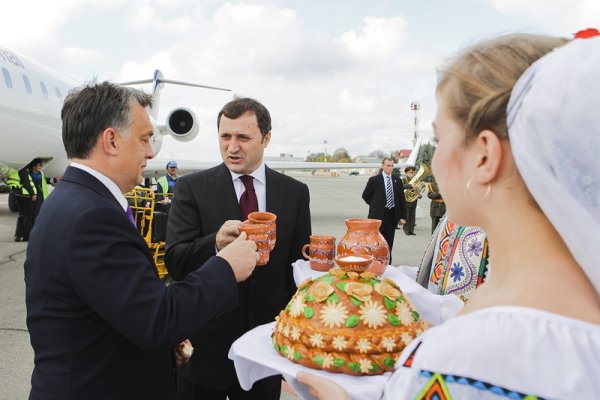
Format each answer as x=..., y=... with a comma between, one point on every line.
x=207, y=210
x=385, y=197
x=102, y=324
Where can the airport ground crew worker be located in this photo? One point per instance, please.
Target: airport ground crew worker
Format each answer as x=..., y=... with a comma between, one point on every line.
x=14, y=184
x=165, y=186
x=34, y=190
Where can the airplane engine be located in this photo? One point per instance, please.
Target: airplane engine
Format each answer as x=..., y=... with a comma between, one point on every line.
x=182, y=124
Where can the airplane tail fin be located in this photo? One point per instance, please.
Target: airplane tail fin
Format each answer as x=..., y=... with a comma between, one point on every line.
x=158, y=82
x=412, y=159
x=157, y=86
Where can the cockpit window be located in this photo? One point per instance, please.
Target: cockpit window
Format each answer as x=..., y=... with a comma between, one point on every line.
x=57, y=90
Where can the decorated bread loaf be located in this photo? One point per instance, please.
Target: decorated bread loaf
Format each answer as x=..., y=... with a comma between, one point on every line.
x=348, y=322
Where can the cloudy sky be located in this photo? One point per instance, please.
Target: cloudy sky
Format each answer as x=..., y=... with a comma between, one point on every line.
x=341, y=71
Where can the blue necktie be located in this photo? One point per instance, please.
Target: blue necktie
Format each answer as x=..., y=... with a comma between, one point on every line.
x=389, y=193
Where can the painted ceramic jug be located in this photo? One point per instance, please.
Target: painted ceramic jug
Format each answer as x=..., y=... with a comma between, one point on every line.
x=363, y=237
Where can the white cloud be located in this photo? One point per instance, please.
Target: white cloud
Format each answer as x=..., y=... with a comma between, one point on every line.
x=562, y=17
x=379, y=37
x=146, y=17
x=133, y=70
x=77, y=54
x=24, y=22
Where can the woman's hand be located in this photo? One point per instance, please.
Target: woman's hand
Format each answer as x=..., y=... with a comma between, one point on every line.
x=322, y=388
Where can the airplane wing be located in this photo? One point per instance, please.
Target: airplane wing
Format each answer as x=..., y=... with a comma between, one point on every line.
x=157, y=166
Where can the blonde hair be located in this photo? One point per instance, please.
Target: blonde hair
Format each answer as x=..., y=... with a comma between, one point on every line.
x=480, y=80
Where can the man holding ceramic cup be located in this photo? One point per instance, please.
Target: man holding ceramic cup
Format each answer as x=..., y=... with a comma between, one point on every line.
x=205, y=217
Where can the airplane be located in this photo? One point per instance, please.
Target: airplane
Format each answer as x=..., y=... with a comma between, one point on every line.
x=31, y=98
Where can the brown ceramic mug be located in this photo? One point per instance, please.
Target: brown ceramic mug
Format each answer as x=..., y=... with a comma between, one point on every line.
x=259, y=234
x=321, y=252
x=267, y=218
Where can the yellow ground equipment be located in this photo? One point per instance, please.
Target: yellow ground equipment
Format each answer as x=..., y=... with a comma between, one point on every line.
x=141, y=201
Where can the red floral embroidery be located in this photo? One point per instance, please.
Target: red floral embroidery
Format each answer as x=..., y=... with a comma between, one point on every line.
x=587, y=33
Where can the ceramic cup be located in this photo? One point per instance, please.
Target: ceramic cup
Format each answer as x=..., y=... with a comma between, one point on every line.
x=321, y=252
x=267, y=218
x=259, y=234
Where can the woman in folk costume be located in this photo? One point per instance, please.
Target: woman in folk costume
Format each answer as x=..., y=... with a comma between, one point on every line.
x=517, y=125
x=456, y=260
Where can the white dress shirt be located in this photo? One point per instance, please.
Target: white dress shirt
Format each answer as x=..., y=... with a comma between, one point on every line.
x=106, y=181
x=260, y=186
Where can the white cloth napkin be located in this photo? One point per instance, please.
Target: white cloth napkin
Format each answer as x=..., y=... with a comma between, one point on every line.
x=254, y=358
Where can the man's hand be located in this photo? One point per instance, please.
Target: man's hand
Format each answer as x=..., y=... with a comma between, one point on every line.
x=322, y=388
x=402, y=221
x=227, y=233
x=183, y=352
x=241, y=255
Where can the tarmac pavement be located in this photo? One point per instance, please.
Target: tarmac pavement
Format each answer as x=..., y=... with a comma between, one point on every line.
x=333, y=199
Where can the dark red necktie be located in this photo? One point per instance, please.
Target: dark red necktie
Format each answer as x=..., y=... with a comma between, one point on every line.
x=248, y=201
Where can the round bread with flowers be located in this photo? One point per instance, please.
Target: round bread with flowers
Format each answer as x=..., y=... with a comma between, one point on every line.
x=348, y=322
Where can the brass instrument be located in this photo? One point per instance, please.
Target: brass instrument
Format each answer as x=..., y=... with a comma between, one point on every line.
x=417, y=183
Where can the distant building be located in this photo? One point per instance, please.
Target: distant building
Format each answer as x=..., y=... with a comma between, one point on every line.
x=284, y=157
x=403, y=155
x=367, y=159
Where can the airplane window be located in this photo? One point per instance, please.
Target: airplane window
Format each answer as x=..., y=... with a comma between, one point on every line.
x=7, y=80
x=57, y=90
x=27, y=84
x=44, y=91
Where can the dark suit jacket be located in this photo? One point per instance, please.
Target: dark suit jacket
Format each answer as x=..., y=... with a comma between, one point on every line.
x=203, y=201
x=374, y=196
x=102, y=324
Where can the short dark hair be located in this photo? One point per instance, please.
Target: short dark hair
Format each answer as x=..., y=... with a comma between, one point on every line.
x=386, y=159
x=35, y=162
x=90, y=109
x=240, y=105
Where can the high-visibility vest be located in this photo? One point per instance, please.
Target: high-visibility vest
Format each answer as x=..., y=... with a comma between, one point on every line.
x=44, y=186
x=12, y=180
x=164, y=184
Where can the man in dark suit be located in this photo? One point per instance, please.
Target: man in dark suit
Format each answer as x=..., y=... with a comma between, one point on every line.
x=204, y=218
x=385, y=197
x=102, y=324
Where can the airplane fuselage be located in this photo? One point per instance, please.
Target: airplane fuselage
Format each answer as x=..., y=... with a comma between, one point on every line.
x=31, y=97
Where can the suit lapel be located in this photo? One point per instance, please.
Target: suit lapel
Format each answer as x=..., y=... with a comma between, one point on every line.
x=274, y=192
x=225, y=194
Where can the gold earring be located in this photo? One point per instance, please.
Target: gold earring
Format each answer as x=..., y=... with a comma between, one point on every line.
x=488, y=190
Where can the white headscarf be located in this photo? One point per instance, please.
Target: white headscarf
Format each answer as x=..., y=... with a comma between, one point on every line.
x=554, y=130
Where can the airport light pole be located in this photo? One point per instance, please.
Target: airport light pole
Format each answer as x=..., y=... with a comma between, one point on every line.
x=325, y=154
x=415, y=106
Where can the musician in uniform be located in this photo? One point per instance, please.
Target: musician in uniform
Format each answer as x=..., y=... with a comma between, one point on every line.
x=411, y=206
x=437, y=209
